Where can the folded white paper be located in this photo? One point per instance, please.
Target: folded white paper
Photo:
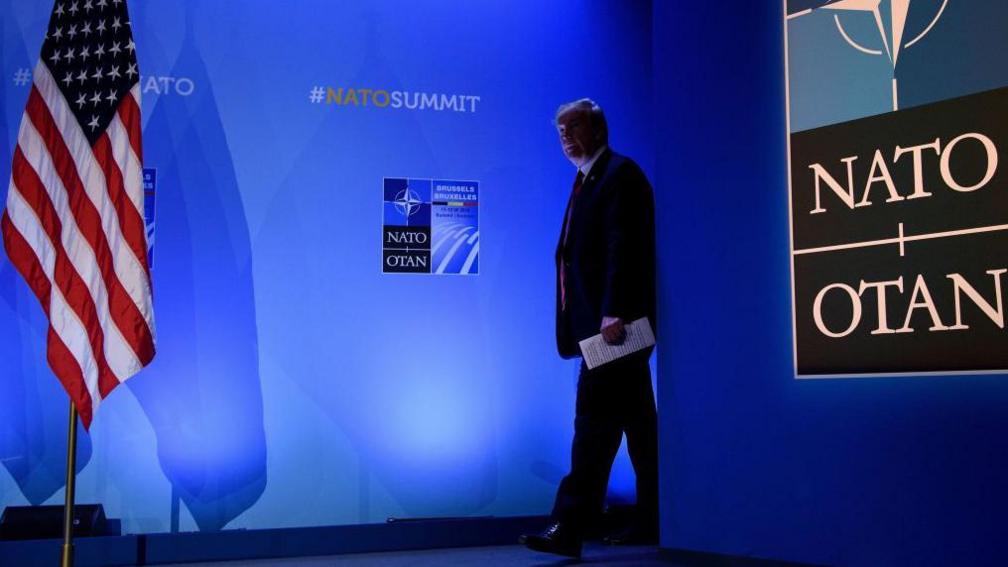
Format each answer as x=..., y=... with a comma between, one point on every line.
x=597, y=352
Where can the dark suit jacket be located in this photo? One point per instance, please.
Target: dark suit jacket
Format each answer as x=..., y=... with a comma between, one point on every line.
x=609, y=254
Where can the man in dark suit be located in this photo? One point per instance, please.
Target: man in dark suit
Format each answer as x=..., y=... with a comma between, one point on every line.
x=605, y=279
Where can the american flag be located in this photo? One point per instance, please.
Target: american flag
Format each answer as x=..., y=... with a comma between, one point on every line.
x=74, y=226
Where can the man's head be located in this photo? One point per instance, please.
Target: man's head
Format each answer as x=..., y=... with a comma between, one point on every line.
x=582, y=128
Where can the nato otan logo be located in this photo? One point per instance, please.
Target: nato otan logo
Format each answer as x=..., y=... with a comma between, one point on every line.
x=893, y=37
x=430, y=226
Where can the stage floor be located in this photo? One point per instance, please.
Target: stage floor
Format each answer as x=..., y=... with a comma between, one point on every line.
x=504, y=555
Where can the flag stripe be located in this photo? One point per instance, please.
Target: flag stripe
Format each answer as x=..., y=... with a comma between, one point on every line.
x=65, y=367
x=130, y=222
x=31, y=192
x=34, y=257
x=123, y=305
x=128, y=162
x=60, y=358
x=79, y=250
x=129, y=113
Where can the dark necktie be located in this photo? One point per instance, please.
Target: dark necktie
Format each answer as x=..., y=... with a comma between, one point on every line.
x=578, y=181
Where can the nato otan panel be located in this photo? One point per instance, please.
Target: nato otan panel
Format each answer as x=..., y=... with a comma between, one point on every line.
x=897, y=193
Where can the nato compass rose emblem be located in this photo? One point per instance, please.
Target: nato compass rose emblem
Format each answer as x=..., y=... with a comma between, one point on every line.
x=892, y=29
x=407, y=202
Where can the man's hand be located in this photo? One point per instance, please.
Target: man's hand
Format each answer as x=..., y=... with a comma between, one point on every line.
x=613, y=331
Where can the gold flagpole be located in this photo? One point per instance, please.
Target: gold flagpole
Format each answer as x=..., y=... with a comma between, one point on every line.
x=67, y=555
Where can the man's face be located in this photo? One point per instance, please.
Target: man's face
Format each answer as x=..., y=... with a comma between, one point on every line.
x=576, y=136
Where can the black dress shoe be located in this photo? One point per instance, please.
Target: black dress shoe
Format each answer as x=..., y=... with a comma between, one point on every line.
x=557, y=538
x=633, y=535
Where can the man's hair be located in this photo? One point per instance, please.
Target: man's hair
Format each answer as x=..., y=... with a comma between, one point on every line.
x=597, y=119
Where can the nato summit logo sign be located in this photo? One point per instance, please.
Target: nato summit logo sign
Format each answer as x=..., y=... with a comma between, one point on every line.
x=431, y=226
x=150, y=208
x=898, y=188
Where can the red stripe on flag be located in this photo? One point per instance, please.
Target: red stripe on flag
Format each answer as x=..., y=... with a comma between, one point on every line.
x=74, y=289
x=130, y=221
x=69, y=373
x=23, y=258
x=129, y=114
x=61, y=360
x=125, y=313
x=32, y=272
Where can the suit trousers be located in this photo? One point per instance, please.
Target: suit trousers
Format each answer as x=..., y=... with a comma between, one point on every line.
x=612, y=400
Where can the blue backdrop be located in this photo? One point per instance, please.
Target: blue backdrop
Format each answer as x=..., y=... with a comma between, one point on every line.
x=296, y=385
